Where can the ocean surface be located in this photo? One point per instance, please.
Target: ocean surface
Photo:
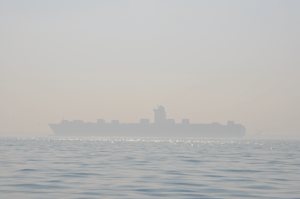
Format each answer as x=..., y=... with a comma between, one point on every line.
x=97, y=167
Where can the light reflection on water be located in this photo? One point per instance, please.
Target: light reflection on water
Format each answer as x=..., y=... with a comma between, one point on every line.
x=98, y=167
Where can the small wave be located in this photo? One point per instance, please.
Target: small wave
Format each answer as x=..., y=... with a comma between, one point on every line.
x=27, y=170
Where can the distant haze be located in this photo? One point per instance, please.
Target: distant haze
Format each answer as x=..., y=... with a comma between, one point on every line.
x=208, y=61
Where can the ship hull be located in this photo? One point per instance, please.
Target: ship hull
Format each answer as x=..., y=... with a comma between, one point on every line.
x=149, y=130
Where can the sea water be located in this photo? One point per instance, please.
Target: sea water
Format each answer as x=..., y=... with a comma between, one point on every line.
x=97, y=167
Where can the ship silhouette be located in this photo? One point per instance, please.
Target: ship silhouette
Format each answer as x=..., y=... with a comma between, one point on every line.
x=162, y=127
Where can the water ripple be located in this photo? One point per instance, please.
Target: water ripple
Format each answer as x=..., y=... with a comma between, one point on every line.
x=118, y=167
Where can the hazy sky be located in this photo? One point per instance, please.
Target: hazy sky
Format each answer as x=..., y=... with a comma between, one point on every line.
x=209, y=61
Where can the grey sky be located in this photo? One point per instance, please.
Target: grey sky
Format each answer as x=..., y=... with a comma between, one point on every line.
x=209, y=61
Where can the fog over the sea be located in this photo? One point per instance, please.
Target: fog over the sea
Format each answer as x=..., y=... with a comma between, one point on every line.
x=209, y=61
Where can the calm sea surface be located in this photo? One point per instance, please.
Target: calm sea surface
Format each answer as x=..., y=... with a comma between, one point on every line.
x=58, y=167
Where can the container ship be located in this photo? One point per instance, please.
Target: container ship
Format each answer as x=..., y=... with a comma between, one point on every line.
x=162, y=127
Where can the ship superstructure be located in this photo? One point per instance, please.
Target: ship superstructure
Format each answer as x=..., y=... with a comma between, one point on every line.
x=162, y=127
